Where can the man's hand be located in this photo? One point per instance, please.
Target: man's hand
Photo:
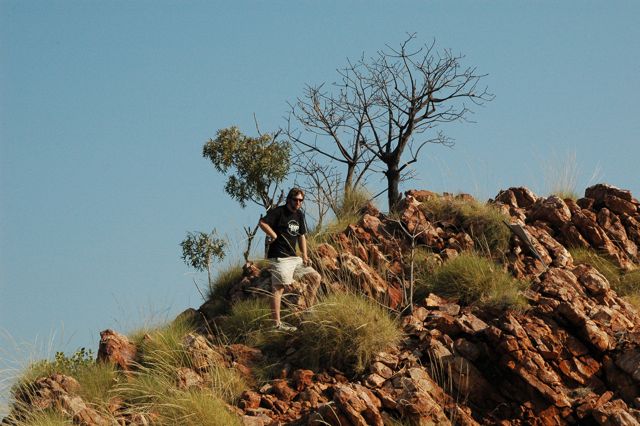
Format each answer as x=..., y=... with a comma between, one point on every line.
x=306, y=261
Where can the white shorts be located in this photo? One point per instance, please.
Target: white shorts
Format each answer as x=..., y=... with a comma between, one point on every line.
x=285, y=269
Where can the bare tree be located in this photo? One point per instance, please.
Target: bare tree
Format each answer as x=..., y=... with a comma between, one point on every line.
x=322, y=122
x=321, y=184
x=390, y=105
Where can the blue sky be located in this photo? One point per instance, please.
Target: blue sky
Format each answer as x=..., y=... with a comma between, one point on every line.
x=105, y=106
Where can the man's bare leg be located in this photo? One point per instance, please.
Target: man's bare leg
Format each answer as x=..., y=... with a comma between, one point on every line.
x=275, y=303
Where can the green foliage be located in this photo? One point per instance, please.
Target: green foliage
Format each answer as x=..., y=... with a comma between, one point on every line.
x=61, y=364
x=200, y=248
x=473, y=279
x=482, y=221
x=253, y=165
x=345, y=331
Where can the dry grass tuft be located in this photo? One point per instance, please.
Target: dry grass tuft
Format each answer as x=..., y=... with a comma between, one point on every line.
x=345, y=331
x=483, y=222
x=474, y=280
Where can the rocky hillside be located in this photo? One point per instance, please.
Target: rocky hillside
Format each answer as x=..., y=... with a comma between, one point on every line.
x=571, y=355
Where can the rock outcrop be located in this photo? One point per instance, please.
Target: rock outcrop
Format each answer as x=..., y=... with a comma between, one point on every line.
x=571, y=357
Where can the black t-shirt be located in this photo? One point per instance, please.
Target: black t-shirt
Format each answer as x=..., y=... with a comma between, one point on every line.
x=288, y=226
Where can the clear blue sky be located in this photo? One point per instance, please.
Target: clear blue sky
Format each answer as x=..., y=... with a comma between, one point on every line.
x=105, y=106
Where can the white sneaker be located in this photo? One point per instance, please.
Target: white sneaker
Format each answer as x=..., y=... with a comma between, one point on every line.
x=284, y=327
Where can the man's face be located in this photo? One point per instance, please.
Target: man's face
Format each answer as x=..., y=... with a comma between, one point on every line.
x=295, y=202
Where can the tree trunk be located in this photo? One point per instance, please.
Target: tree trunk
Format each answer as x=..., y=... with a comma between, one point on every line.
x=393, y=181
x=348, y=181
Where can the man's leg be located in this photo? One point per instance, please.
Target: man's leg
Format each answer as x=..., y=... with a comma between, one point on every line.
x=275, y=303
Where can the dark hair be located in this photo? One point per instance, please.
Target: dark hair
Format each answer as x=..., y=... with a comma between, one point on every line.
x=294, y=192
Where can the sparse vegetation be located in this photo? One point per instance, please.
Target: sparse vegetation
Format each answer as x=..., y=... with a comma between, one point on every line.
x=474, y=280
x=483, y=222
x=345, y=331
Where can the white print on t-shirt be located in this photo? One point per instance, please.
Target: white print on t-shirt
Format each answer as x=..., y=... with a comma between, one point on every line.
x=293, y=228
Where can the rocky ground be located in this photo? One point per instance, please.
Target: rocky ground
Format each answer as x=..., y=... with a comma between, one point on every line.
x=572, y=357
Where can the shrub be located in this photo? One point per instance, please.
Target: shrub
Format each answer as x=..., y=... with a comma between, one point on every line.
x=474, y=280
x=345, y=331
x=483, y=222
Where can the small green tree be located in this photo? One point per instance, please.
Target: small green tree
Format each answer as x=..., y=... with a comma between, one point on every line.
x=200, y=249
x=255, y=168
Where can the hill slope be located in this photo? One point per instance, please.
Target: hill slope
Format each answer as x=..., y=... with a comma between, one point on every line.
x=545, y=339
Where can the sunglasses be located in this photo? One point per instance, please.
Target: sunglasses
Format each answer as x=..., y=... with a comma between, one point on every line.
x=298, y=199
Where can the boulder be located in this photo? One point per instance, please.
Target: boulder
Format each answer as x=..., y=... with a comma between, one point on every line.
x=117, y=349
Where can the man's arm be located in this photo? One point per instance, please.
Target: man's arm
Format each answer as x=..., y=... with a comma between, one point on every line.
x=302, y=240
x=267, y=229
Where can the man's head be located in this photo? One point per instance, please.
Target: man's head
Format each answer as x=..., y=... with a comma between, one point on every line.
x=295, y=199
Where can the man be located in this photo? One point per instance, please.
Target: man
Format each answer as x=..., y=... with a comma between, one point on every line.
x=286, y=227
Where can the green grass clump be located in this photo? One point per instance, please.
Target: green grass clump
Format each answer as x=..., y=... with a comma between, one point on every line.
x=154, y=393
x=351, y=203
x=346, y=212
x=345, y=331
x=218, y=303
x=42, y=418
x=246, y=320
x=483, y=222
x=162, y=348
x=161, y=353
x=194, y=408
x=473, y=280
x=624, y=283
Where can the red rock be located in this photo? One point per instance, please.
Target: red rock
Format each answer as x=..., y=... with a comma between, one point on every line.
x=117, y=349
x=593, y=280
x=186, y=378
x=302, y=379
x=249, y=399
x=358, y=404
x=282, y=390
x=552, y=210
x=200, y=352
x=599, y=191
x=619, y=205
x=420, y=195
x=614, y=413
x=471, y=324
x=327, y=257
